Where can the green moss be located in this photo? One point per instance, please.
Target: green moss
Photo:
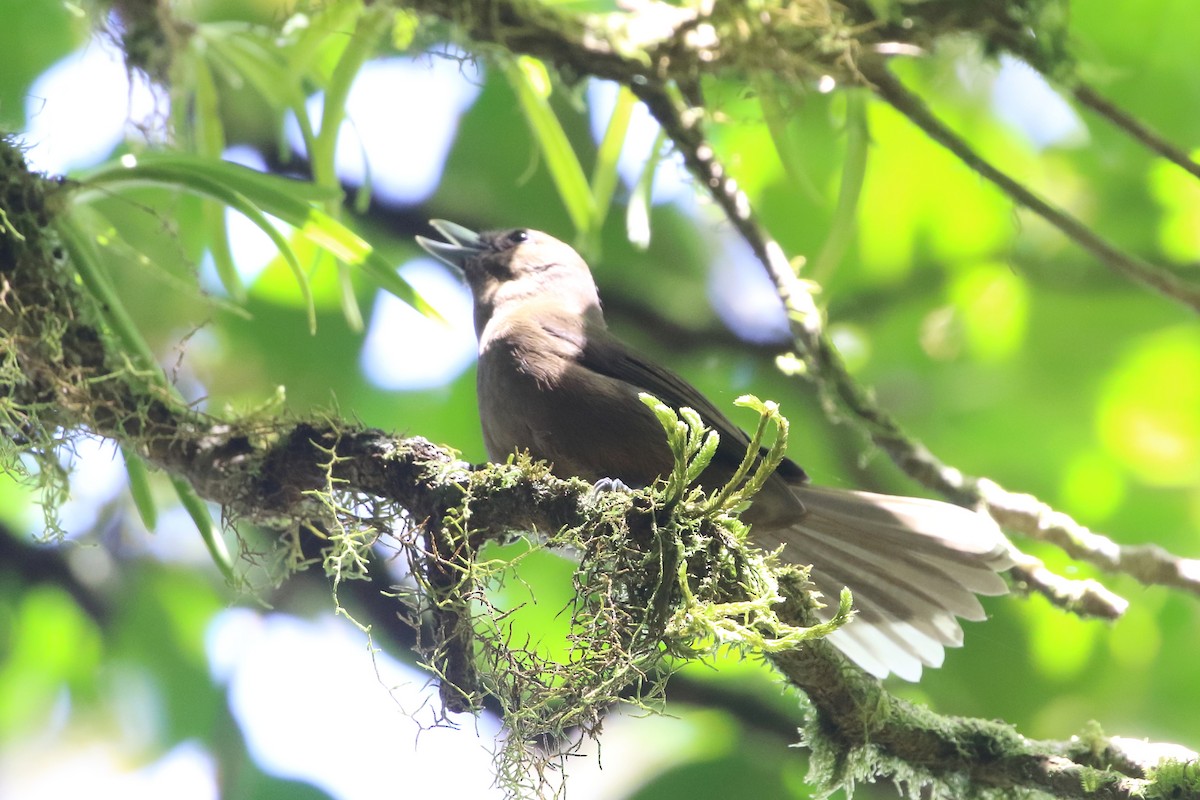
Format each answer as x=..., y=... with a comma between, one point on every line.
x=665, y=574
x=1174, y=780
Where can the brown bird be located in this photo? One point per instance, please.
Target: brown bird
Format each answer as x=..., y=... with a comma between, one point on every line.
x=552, y=380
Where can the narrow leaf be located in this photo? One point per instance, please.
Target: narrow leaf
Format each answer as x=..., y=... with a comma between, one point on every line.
x=139, y=488
x=530, y=81
x=854, y=171
x=253, y=193
x=209, y=531
x=637, y=215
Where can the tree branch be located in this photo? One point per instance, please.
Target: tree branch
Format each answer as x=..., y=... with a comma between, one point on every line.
x=1139, y=270
x=1148, y=563
x=274, y=474
x=1137, y=130
x=865, y=731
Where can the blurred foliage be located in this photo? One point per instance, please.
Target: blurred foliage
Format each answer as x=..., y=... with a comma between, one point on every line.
x=1008, y=351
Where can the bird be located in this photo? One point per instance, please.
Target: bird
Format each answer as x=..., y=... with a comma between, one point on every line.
x=554, y=381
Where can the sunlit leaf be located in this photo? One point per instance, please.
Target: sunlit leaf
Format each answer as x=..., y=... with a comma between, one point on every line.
x=139, y=488
x=531, y=82
x=405, y=25
x=993, y=305
x=605, y=174
x=1093, y=486
x=637, y=215
x=277, y=283
x=1149, y=412
x=1179, y=228
x=1060, y=645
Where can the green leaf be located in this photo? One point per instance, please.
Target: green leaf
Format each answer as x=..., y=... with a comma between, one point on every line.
x=325, y=231
x=404, y=29
x=202, y=182
x=282, y=197
x=637, y=215
x=531, y=82
x=604, y=174
x=254, y=195
x=209, y=531
x=139, y=488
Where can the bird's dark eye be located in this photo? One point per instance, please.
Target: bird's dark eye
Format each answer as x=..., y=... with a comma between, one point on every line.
x=518, y=236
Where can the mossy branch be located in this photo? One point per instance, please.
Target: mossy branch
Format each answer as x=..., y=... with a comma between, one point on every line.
x=62, y=371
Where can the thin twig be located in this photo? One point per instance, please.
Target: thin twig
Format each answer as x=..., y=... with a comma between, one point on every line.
x=1149, y=564
x=1135, y=128
x=910, y=105
x=1086, y=598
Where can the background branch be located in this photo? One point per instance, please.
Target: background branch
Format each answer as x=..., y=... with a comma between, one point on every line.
x=268, y=474
x=1164, y=281
x=1089, y=97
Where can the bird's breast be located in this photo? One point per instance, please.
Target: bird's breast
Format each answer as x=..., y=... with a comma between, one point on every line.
x=535, y=395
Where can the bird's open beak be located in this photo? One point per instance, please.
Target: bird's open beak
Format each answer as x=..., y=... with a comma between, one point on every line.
x=463, y=244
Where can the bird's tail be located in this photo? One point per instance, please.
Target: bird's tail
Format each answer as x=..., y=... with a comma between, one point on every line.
x=913, y=566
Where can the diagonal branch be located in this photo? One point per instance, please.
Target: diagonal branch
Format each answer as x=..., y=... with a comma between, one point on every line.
x=1136, y=269
x=1136, y=129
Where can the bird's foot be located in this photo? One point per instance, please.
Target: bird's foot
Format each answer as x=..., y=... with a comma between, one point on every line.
x=606, y=485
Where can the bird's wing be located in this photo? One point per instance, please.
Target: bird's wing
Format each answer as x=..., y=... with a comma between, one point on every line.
x=607, y=355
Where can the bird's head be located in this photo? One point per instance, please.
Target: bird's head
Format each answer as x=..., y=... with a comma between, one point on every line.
x=507, y=268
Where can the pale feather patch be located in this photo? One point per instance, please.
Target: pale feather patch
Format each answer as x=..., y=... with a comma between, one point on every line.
x=913, y=565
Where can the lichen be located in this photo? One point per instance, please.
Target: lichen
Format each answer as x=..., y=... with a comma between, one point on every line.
x=665, y=575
